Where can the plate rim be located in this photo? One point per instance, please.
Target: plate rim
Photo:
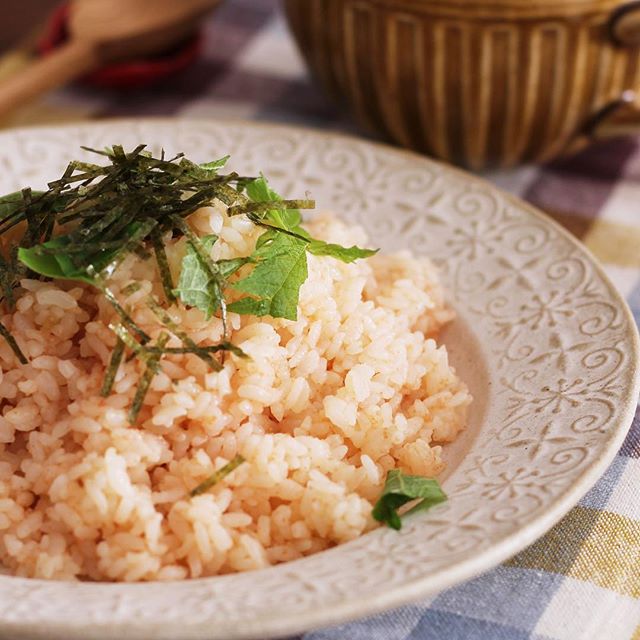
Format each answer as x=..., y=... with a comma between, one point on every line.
x=416, y=588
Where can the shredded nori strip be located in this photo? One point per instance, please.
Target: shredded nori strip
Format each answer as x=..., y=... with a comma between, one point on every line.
x=124, y=316
x=153, y=366
x=261, y=208
x=112, y=369
x=131, y=288
x=11, y=341
x=136, y=237
x=97, y=215
x=215, y=348
x=214, y=478
x=129, y=341
x=6, y=282
x=166, y=320
x=119, y=207
x=163, y=265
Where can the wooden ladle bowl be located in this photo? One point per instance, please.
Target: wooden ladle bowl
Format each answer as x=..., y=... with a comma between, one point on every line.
x=140, y=71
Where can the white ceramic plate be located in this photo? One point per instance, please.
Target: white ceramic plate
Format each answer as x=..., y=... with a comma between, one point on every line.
x=546, y=344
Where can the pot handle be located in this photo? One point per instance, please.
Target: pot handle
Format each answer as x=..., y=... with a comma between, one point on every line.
x=620, y=116
x=617, y=118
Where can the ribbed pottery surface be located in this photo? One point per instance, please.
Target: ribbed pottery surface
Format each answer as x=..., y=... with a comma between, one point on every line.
x=491, y=84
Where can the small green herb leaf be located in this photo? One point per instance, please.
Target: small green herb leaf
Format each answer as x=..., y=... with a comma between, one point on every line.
x=399, y=489
x=53, y=265
x=214, y=165
x=259, y=190
x=276, y=279
x=194, y=285
x=345, y=254
x=11, y=203
x=290, y=219
x=63, y=258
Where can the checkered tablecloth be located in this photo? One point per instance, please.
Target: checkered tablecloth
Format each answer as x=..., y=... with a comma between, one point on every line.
x=581, y=580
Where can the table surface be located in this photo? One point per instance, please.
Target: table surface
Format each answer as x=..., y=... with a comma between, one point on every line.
x=581, y=580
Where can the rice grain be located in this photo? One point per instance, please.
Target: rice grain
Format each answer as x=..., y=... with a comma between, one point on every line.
x=323, y=408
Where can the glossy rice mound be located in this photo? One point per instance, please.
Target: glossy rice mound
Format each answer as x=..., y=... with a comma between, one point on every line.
x=323, y=408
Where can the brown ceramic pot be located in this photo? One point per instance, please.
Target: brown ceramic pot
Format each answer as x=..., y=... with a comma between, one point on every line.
x=477, y=82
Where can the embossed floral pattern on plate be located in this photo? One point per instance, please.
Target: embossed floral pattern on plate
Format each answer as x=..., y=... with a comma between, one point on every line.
x=546, y=343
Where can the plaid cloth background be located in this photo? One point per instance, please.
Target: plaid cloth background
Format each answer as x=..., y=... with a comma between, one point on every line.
x=581, y=580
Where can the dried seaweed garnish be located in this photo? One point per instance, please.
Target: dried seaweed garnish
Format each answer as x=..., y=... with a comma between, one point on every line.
x=261, y=209
x=10, y=269
x=130, y=342
x=163, y=264
x=6, y=282
x=168, y=322
x=214, y=348
x=215, y=477
x=130, y=289
x=11, y=341
x=126, y=319
x=153, y=366
x=112, y=370
x=92, y=217
x=152, y=354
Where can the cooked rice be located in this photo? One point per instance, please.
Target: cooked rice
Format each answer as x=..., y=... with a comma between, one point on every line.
x=323, y=409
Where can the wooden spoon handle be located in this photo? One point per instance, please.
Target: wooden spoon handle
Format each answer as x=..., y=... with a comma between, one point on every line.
x=22, y=54
x=67, y=63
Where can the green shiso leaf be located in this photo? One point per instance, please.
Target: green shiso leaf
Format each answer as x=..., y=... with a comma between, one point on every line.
x=274, y=283
x=65, y=259
x=280, y=257
x=215, y=280
x=229, y=267
x=290, y=219
x=214, y=165
x=259, y=191
x=53, y=265
x=194, y=285
x=399, y=489
x=345, y=254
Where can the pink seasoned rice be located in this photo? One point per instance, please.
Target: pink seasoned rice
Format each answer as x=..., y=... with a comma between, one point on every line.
x=323, y=409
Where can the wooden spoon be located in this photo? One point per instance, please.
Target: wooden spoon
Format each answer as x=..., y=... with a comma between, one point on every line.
x=100, y=32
